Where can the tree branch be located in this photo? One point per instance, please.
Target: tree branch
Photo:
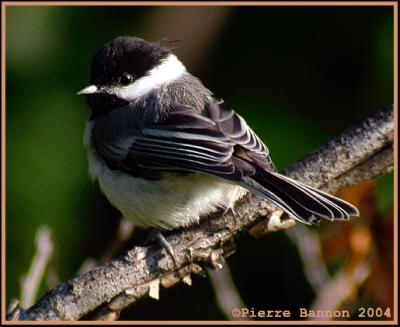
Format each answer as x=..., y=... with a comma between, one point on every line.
x=362, y=152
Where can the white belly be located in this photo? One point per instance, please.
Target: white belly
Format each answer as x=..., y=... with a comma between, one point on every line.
x=171, y=202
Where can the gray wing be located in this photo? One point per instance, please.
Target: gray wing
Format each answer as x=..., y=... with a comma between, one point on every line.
x=218, y=142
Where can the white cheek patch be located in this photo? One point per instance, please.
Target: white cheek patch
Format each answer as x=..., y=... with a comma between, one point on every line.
x=169, y=70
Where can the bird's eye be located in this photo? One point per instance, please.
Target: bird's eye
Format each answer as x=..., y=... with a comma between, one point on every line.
x=126, y=79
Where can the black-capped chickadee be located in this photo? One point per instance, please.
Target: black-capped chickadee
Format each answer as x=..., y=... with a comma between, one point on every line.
x=166, y=152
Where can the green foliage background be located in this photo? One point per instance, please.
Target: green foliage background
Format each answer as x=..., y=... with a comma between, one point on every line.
x=299, y=75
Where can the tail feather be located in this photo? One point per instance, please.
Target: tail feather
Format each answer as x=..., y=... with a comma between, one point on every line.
x=340, y=208
x=349, y=208
x=283, y=201
x=297, y=192
x=344, y=206
x=300, y=201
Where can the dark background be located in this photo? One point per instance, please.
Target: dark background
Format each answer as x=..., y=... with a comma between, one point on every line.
x=299, y=75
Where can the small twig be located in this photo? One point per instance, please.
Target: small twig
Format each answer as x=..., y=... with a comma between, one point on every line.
x=348, y=280
x=31, y=282
x=340, y=288
x=228, y=297
x=87, y=265
x=52, y=279
x=13, y=309
x=124, y=233
x=309, y=247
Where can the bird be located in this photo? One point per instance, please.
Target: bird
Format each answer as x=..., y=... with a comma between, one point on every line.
x=166, y=152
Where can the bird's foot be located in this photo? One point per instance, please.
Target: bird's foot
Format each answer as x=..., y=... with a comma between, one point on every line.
x=156, y=235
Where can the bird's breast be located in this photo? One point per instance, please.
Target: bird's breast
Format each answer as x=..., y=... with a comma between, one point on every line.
x=173, y=201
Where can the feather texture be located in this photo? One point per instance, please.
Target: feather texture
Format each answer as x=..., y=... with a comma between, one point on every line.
x=219, y=143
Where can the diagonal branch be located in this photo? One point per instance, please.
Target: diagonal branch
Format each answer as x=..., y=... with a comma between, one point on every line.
x=362, y=152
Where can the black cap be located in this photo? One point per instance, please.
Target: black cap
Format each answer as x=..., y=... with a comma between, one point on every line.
x=125, y=54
